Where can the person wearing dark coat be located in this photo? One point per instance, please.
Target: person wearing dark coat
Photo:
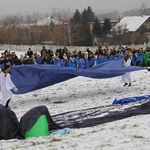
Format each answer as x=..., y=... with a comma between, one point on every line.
x=43, y=52
x=29, y=53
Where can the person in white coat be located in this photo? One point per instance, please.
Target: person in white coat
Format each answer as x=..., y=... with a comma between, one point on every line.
x=6, y=85
x=126, y=78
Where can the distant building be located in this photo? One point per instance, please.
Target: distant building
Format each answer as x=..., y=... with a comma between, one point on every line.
x=43, y=24
x=134, y=25
x=48, y=28
x=47, y=21
x=101, y=23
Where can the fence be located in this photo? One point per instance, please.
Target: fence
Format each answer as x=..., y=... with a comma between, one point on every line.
x=54, y=47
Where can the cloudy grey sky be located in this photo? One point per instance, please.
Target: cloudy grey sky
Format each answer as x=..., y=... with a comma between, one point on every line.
x=14, y=7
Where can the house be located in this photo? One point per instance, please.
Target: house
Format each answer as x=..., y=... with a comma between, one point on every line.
x=101, y=23
x=48, y=28
x=47, y=22
x=135, y=25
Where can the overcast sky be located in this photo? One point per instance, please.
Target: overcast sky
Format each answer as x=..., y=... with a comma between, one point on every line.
x=23, y=7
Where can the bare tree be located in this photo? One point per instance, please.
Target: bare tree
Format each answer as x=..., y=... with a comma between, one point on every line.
x=143, y=9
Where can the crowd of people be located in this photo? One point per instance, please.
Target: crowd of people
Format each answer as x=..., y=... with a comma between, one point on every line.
x=76, y=59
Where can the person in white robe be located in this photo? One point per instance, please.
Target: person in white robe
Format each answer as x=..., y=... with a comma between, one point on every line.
x=126, y=78
x=6, y=85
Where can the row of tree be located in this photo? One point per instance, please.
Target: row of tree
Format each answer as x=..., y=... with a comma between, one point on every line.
x=75, y=31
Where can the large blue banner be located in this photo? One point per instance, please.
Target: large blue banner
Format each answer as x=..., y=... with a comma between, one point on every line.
x=33, y=77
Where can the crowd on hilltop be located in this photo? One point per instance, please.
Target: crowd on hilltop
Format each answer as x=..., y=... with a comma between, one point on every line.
x=76, y=59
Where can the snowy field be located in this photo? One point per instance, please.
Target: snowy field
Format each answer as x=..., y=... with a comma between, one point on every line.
x=80, y=93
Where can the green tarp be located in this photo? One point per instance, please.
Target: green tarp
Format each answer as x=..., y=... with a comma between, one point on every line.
x=40, y=128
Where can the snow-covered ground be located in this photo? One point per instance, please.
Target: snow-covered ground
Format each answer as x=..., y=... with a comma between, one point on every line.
x=80, y=93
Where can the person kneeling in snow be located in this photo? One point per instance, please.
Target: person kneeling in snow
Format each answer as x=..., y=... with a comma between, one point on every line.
x=6, y=84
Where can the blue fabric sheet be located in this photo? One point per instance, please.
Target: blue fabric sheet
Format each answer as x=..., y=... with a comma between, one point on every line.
x=33, y=77
x=131, y=99
x=61, y=131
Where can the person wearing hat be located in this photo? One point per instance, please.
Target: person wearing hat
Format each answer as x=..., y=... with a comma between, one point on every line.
x=6, y=85
x=126, y=78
